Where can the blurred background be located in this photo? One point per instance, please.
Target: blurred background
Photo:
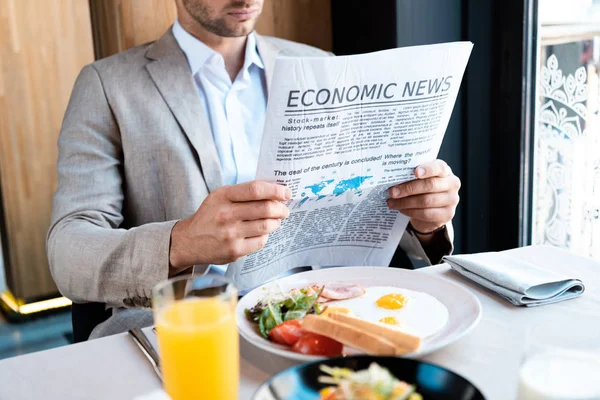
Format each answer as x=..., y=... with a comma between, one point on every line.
x=524, y=136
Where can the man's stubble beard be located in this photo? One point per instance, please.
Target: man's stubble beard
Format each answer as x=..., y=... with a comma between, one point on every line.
x=202, y=14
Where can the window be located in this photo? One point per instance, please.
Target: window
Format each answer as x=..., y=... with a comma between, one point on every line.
x=566, y=156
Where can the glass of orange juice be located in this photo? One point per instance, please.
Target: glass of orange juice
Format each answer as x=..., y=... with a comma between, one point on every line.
x=197, y=337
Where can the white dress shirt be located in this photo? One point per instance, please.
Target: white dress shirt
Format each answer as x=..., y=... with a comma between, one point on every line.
x=235, y=110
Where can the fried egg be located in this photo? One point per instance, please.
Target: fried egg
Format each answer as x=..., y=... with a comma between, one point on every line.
x=412, y=312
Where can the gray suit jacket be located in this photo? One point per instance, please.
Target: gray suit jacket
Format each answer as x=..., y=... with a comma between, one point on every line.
x=136, y=154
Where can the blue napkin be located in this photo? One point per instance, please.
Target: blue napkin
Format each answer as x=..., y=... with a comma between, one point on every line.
x=518, y=281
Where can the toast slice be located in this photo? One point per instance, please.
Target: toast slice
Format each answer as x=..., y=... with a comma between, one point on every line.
x=401, y=339
x=349, y=335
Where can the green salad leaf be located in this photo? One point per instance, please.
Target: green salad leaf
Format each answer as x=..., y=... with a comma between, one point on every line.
x=275, y=312
x=269, y=312
x=266, y=322
x=295, y=314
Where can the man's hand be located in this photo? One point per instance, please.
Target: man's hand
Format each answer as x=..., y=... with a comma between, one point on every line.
x=430, y=200
x=232, y=221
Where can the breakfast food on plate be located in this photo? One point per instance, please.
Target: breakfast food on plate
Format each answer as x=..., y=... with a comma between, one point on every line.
x=312, y=343
x=275, y=308
x=342, y=291
x=320, y=319
x=278, y=317
x=349, y=335
x=413, y=312
x=401, y=339
x=374, y=383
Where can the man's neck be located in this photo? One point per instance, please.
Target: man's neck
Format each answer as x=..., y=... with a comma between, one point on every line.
x=233, y=49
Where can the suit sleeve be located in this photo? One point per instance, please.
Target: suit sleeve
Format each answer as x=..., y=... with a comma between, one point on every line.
x=433, y=253
x=91, y=258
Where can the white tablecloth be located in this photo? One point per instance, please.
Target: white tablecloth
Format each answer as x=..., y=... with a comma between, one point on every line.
x=489, y=356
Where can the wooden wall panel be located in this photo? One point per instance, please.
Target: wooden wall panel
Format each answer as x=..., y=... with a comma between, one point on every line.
x=122, y=24
x=304, y=21
x=43, y=46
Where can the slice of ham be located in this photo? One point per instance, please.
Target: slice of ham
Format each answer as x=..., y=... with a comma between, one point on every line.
x=341, y=291
x=314, y=288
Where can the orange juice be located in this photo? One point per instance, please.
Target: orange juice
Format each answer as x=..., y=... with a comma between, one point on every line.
x=199, y=349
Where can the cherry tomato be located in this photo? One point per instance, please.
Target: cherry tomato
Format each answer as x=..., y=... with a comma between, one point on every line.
x=287, y=332
x=318, y=345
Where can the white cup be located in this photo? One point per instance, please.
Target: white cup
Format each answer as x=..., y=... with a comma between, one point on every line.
x=561, y=360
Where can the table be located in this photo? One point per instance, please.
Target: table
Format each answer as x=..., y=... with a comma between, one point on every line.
x=113, y=368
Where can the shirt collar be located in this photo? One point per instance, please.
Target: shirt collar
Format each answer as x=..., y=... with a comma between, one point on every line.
x=251, y=56
x=199, y=53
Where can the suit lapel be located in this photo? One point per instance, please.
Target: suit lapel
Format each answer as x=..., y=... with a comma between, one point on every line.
x=268, y=51
x=171, y=74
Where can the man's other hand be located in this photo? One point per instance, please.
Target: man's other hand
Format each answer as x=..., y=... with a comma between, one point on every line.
x=233, y=221
x=430, y=201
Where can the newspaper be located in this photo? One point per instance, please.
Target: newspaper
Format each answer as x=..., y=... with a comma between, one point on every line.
x=339, y=132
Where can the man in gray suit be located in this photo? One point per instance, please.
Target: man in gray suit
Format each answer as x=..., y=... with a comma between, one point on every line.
x=157, y=156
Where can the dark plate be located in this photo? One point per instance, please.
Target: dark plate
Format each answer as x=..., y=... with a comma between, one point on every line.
x=433, y=382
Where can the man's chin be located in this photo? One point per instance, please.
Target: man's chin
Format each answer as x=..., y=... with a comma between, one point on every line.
x=241, y=28
x=227, y=28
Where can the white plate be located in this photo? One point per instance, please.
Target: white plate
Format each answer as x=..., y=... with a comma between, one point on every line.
x=464, y=308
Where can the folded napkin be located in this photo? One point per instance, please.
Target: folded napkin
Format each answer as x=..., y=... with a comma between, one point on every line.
x=158, y=394
x=519, y=282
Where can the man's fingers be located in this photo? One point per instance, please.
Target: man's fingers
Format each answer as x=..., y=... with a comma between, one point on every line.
x=244, y=247
x=250, y=245
x=422, y=186
x=259, y=227
x=257, y=190
x=433, y=168
x=432, y=215
x=264, y=209
x=429, y=200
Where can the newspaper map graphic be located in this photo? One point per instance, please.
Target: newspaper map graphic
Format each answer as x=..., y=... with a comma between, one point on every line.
x=354, y=184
